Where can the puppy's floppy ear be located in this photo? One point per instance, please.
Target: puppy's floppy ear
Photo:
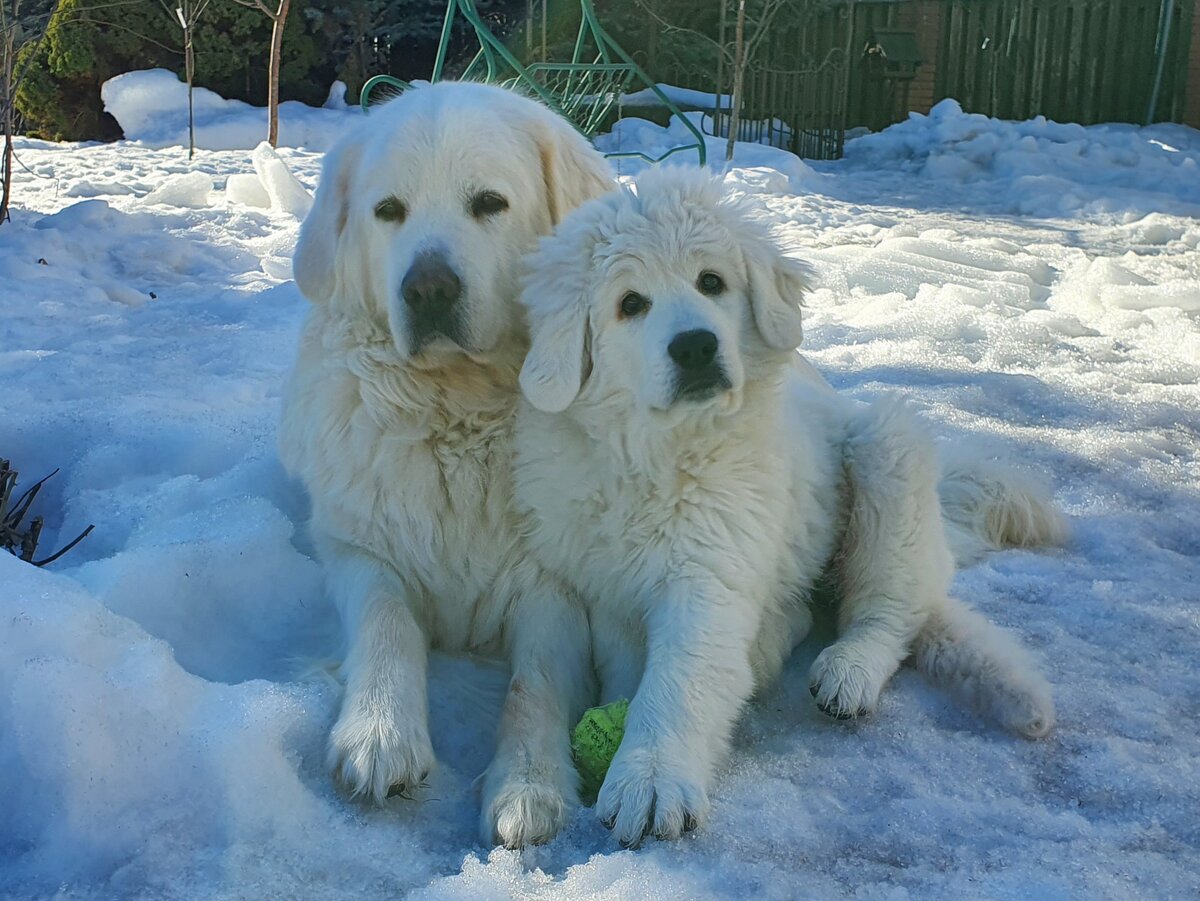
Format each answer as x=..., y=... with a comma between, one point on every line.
x=572, y=169
x=556, y=297
x=777, y=286
x=315, y=257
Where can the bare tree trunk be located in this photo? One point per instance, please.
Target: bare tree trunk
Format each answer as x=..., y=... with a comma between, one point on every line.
x=718, y=106
x=279, y=19
x=739, y=74
x=9, y=112
x=6, y=193
x=189, y=64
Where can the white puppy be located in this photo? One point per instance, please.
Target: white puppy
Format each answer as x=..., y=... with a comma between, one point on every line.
x=692, y=484
x=398, y=419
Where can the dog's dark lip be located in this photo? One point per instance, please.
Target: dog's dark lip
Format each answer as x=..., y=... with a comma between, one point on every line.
x=435, y=339
x=700, y=391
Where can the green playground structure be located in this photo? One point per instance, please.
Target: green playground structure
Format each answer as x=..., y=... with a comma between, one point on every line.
x=585, y=90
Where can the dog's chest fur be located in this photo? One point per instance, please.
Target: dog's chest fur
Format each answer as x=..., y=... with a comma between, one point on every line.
x=624, y=512
x=413, y=466
x=621, y=513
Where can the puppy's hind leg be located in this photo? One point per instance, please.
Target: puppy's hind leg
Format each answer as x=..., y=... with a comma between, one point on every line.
x=893, y=567
x=380, y=744
x=984, y=665
x=531, y=785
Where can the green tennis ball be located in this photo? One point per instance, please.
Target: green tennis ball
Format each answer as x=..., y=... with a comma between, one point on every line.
x=594, y=743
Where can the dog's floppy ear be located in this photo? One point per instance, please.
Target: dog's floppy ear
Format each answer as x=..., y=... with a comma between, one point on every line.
x=777, y=286
x=556, y=295
x=315, y=257
x=573, y=170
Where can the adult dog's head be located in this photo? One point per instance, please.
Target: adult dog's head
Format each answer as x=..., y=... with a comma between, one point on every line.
x=670, y=298
x=425, y=209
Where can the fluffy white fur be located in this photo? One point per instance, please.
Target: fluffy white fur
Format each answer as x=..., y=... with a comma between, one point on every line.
x=405, y=450
x=694, y=529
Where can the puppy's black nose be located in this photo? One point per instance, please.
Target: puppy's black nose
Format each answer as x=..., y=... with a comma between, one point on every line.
x=431, y=286
x=693, y=350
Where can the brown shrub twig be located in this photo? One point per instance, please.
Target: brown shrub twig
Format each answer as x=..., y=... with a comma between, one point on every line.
x=23, y=543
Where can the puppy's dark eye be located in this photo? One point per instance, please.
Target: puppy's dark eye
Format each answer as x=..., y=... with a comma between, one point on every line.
x=633, y=304
x=390, y=209
x=710, y=283
x=487, y=203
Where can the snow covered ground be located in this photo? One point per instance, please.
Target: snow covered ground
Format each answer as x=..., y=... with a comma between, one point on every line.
x=1036, y=288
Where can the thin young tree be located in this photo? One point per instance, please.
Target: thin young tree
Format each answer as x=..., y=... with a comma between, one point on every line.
x=187, y=13
x=745, y=49
x=278, y=19
x=20, y=26
x=752, y=26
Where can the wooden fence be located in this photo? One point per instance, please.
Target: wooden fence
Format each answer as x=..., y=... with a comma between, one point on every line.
x=1081, y=61
x=1071, y=60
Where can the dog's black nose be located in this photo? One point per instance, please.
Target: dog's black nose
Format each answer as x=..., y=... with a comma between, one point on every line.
x=431, y=285
x=693, y=350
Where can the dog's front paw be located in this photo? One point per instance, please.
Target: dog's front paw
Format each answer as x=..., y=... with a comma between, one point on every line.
x=378, y=754
x=519, y=810
x=647, y=794
x=844, y=682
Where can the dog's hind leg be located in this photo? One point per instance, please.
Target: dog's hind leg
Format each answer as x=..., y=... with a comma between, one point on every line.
x=983, y=664
x=380, y=744
x=893, y=567
x=531, y=786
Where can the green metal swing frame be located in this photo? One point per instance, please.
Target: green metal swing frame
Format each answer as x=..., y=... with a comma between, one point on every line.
x=584, y=91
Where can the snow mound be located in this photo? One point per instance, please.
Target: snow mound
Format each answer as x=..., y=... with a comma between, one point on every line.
x=755, y=167
x=151, y=107
x=156, y=740
x=188, y=190
x=336, y=99
x=1057, y=169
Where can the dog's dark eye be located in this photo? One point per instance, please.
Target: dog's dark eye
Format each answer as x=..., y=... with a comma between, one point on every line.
x=710, y=283
x=487, y=203
x=633, y=304
x=390, y=209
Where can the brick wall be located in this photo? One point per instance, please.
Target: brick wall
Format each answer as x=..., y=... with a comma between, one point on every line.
x=926, y=20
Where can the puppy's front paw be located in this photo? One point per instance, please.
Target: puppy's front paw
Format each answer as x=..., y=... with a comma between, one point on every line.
x=844, y=682
x=645, y=793
x=519, y=810
x=379, y=754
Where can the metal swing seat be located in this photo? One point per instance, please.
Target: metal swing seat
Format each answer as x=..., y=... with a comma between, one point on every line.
x=584, y=91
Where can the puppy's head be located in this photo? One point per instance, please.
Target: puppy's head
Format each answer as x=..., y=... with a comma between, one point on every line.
x=425, y=208
x=673, y=297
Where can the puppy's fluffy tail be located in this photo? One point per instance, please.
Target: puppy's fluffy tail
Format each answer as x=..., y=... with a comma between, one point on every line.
x=988, y=505
x=985, y=666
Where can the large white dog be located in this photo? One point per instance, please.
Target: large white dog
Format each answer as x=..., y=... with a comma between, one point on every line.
x=398, y=419
x=692, y=484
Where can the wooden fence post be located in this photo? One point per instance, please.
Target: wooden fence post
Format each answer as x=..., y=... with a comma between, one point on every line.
x=1191, y=114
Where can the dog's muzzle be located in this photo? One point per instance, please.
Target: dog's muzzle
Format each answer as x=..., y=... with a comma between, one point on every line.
x=699, y=374
x=432, y=291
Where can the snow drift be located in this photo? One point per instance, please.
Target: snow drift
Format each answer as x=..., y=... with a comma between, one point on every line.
x=151, y=106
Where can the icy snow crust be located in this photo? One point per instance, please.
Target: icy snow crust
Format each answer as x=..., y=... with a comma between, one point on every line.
x=157, y=742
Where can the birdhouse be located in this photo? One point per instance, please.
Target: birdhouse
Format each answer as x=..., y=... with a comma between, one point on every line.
x=892, y=55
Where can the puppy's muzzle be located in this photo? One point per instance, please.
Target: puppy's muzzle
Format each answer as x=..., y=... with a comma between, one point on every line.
x=699, y=374
x=432, y=291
